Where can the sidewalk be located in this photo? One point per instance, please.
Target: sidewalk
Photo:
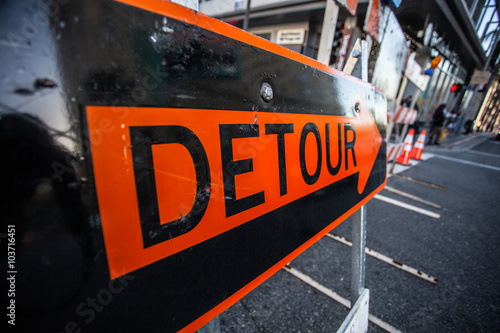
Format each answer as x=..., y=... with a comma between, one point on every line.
x=452, y=143
x=452, y=140
x=462, y=141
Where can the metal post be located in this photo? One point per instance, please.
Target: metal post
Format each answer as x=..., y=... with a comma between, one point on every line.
x=416, y=95
x=247, y=15
x=358, y=254
x=472, y=8
x=328, y=31
x=401, y=136
x=365, y=52
x=390, y=126
x=432, y=100
x=359, y=218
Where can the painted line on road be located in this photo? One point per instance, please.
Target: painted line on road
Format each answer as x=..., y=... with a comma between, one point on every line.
x=468, y=162
x=412, y=197
x=425, y=156
x=324, y=290
x=336, y=297
x=482, y=153
x=407, y=206
x=470, y=138
x=418, y=181
x=456, y=143
x=387, y=260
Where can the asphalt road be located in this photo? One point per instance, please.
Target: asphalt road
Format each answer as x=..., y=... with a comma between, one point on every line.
x=460, y=249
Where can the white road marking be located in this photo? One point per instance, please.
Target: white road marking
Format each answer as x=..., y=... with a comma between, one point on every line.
x=387, y=260
x=468, y=162
x=482, y=153
x=336, y=297
x=412, y=197
x=407, y=206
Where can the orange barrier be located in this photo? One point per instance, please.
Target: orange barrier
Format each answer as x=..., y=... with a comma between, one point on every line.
x=418, y=149
x=404, y=115
x=393, y=151
x=408, y=143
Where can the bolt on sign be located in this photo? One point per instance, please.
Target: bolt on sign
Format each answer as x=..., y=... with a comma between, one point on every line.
x=241, y=156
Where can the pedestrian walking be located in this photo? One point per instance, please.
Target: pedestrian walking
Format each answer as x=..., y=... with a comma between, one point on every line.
x=407, y=101
x=449, y=123
x=438, y=117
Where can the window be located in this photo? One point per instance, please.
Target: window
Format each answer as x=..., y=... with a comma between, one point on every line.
x=487, y=25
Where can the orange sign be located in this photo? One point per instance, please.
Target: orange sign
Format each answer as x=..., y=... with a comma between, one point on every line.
x=182, y=176
x=207, y=183
x=350, y=5
x=372, y=21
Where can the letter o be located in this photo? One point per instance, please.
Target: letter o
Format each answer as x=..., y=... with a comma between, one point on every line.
x=309, y=128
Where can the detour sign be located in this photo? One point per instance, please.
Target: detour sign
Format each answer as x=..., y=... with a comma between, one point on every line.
x=218, y=186
x=185, y=176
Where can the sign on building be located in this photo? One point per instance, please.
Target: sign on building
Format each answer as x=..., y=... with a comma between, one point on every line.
x=291, y=36
x=480, y=77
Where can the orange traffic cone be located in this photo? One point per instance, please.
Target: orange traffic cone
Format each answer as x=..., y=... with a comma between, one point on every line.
x=417, y=150
x=405, y=157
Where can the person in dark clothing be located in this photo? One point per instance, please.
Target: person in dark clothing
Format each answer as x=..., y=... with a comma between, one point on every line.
x=438, y=118
x=407, y=101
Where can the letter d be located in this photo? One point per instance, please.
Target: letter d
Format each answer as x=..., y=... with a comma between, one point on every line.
x=142, y=139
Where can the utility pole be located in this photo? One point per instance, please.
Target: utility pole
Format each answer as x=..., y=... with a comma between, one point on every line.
x=247, y=16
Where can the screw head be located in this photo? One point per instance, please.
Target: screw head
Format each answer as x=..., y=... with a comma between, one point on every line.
x=266, y=92
x=357, y=107
x=356, y=53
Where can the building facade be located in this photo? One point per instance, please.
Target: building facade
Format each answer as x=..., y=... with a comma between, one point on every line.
x=462, y=34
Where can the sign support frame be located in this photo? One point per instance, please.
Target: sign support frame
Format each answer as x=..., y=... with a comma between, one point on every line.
x=328, y=31
x=359, y=293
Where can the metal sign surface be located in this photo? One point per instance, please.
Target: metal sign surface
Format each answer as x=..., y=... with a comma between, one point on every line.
x=391, y=59
x=372, y=23
x=207, y=158
x=414, y=73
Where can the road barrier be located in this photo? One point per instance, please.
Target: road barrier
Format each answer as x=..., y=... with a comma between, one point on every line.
x=404, y=115
x=394, y=151
x=178, y=150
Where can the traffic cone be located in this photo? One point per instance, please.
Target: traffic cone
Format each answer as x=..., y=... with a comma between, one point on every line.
x=405, y=157
x=416, y=152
